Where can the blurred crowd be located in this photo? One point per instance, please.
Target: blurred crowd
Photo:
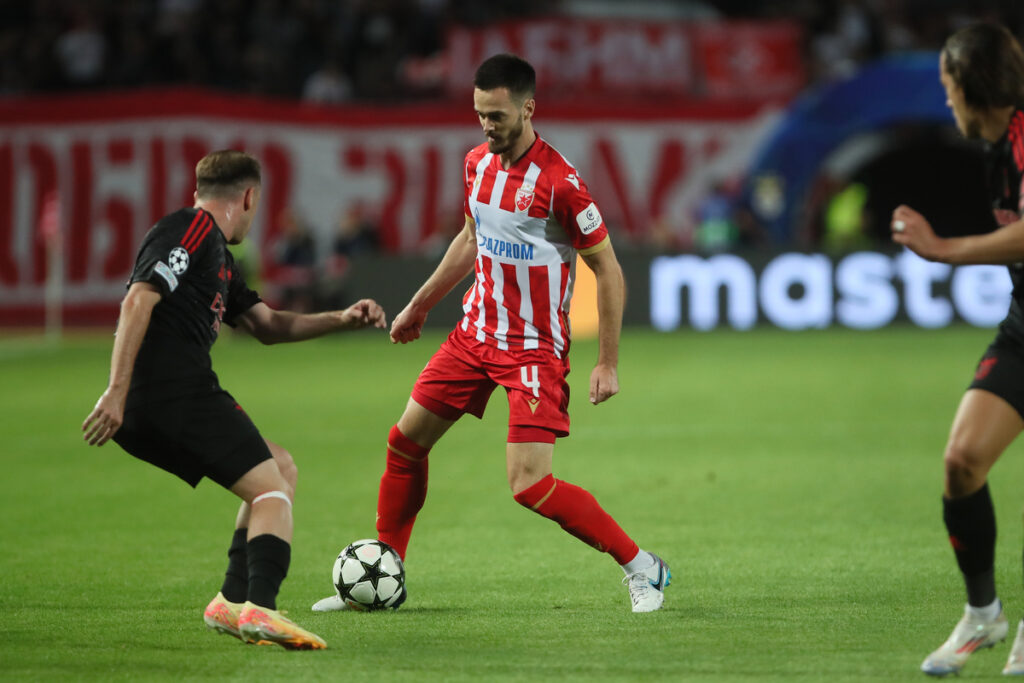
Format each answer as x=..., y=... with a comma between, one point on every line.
x=328, y=50
x=366, y=50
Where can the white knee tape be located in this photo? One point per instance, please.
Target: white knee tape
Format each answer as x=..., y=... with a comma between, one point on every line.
x=272, y=494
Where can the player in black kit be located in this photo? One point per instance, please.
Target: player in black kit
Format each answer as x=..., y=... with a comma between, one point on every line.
x=164, y=404
x=981, y=68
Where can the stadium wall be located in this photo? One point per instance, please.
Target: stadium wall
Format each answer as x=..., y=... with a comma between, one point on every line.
x=92, y=173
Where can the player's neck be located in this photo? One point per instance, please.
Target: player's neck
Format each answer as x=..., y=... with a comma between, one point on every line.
x=221, y=213
x=521, y=147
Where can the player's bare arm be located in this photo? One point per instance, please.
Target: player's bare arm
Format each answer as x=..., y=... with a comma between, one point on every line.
x=1003, y=246
x=611, y=291
x=108, y=414
x=454, y=267
x=271, y=326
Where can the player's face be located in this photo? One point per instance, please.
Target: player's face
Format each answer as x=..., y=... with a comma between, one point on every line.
x=966, y=122
x=501, y=118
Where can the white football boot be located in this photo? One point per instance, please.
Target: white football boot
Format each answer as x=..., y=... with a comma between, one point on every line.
x=1015, y=663
x=647, y=586
x=969, y=635
x=333, y=603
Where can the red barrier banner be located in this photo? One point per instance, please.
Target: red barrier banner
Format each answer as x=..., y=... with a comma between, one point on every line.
x=600, y=59
x=116, y=164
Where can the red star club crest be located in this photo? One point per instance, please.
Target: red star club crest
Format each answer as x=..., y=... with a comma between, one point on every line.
x=524, y=197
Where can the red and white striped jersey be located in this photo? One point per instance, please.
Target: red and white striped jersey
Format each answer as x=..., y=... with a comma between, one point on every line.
x=531, y=221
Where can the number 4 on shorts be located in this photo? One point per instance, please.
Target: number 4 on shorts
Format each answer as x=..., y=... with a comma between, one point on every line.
x=528, y=373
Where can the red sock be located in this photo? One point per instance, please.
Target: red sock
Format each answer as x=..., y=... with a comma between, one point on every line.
x=403, y=488
x=578, y=512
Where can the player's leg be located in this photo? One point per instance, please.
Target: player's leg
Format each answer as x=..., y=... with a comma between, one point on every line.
x=538, y=397
x=452, y=383
x=268, y=552
x=577, y=511
x=983, y=428
x=403, y=486
x=223, y=611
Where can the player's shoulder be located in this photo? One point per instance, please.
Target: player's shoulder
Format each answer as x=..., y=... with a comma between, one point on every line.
x=558, y=170
x=474, y=155
x=177, y=222
x=550, y=158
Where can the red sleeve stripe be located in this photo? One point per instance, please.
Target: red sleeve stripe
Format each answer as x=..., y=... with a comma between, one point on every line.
x=191, y=243
x=1017, y=139
x=191, y=228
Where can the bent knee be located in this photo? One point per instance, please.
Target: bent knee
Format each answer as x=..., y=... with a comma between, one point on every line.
x=965, y=465
x=286, y=466
x=525, y=479
x=290, y=473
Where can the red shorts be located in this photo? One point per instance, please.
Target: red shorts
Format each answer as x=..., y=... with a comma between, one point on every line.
x=462, y=374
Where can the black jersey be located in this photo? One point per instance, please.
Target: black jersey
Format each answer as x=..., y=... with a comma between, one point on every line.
x=1006, y=173
x=185, y=256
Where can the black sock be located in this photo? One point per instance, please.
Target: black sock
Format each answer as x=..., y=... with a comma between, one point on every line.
x=236, y=578
x=971, y=522
x=269, y=557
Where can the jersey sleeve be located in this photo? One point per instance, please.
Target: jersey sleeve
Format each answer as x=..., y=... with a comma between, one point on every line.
x=576, y=211
x=160, y=261
x=240, y=297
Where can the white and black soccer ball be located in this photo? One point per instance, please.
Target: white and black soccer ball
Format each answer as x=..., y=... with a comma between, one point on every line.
x=369, y=575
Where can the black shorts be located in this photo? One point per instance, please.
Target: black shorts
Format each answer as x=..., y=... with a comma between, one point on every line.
x=208, y=435
x=1001, y=372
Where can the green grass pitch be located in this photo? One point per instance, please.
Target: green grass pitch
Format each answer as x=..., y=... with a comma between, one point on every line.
x=792, y=481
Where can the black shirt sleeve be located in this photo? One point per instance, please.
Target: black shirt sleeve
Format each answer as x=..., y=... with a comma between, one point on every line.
x=161, y=260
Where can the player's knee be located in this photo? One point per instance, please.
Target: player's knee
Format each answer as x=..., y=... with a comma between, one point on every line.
x=285, y=465
x=289, y=470
x=523, y=478
x=963, y=463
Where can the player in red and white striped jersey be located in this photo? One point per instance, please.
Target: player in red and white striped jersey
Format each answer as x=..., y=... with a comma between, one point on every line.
x=530, y=221
x=527, y=216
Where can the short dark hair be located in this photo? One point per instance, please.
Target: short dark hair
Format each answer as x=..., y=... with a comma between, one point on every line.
x=986, y=61
x=226, y=173
x=507, y=71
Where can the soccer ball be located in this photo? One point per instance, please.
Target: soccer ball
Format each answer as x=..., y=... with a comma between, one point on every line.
x=369, y=575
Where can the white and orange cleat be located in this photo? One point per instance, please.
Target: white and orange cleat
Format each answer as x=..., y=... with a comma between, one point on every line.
x=257, y=624
x=221, y=615
x=969, y=635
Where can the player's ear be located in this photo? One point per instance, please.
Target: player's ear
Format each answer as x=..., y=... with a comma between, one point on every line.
x=249, y=198
x=528, y=108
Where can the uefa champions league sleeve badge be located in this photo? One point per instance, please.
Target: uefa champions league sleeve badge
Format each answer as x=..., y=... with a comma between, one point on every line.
x=178, y=260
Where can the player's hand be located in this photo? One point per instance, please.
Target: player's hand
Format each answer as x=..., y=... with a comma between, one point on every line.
x=407, y=325
x=913, y=231
x=364, y=313
x=105, y=419
x=604, y=383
